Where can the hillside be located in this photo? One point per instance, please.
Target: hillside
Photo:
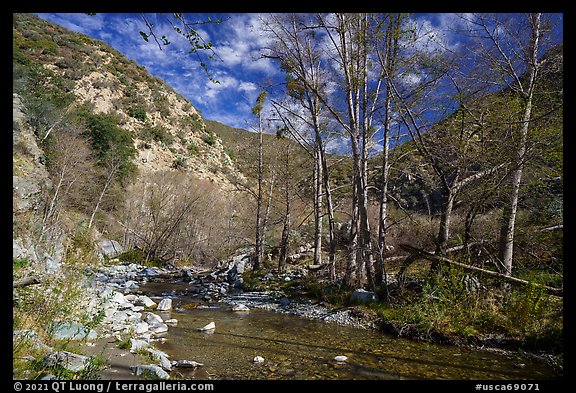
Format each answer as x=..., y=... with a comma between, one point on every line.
x=166, y=129
x=97, y=141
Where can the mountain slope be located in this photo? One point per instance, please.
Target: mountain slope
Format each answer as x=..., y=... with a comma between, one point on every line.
x=167, y=130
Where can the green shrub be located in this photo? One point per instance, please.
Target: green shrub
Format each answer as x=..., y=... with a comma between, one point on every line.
x=179, y=162
x=108, y=140
x=230, y=153
x=193, y=149
x=139, y=113
x=156, y=133
x=209, y=139
x=135, y=256
x=19, y=263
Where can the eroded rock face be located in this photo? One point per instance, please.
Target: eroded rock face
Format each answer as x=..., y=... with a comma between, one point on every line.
x=29, y=174
x=30, y=184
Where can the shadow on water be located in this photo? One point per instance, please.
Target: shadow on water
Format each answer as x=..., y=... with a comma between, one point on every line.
x=378, y=358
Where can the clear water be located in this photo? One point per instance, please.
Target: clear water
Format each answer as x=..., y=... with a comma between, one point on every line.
x=299, y=348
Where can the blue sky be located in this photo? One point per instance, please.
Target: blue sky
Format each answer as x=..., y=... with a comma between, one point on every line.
x=238, y=42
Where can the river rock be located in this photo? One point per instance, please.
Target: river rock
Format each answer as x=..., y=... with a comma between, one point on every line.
x=145, y=301
x=161, y=358
x=68, y=360
x=120, y=316
x=171, y=322
x=149, y=271
x=152, y=370
x=137, y=345
x=71, y=331
x=131, y=298
x=210, y=326
x=165, y=304
x=141, y=327
x=363, y=296
x=187, y=363
x=258, y=359
x=157, y=329
x=118, y=297
x=340, y=358
x=131, y=284
x=240, y=308
x=153, y=319
x=239, y=283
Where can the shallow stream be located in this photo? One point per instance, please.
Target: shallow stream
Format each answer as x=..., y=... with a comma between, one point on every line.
x=299, y=348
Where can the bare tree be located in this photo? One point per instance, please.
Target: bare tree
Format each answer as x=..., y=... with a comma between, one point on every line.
x=110, y=169
x=298, y=52
x=70, y=166
x=513, y=53
x=257, y=110
x=387, y=54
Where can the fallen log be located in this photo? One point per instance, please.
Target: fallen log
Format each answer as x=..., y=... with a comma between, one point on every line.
x=416, y=253
x=25, y=282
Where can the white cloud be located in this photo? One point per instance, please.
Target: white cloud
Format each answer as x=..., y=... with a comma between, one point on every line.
x=247, y=86
x=438, y=37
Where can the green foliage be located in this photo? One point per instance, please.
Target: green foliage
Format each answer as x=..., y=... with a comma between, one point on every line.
x=161, y=102
x=257, y=109
x=19, y=263
x=55, y=299
x=139, y=113
x=231, y=153
x=108, y=140
x=209, y=139
x=124, y=344
x=134, y=255
x=156, y=133
x=193, y=149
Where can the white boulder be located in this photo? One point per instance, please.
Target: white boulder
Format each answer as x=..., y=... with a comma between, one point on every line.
x=165, y=304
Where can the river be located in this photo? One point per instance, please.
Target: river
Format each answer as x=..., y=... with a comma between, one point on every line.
x=298, y=348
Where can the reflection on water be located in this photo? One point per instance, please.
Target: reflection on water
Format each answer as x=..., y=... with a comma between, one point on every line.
x=298, y=348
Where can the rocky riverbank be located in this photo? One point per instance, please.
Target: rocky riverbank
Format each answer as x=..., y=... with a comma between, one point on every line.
x=132, y=323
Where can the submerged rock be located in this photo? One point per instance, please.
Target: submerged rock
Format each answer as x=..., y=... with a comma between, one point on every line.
x=187, y=363
x=171, y=322
x=258, y=359
x=210, y=326
x=240, y=308
x=340, y=358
